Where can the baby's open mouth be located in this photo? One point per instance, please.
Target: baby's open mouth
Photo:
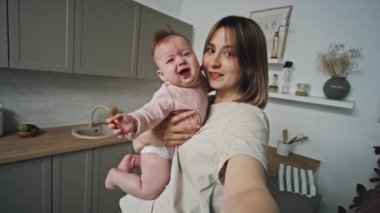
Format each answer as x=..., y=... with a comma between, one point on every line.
x=184, y=72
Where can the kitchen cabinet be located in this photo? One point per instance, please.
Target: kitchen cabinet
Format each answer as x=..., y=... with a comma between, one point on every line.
x=72, y=182
x=151, y=21
x=26, y=186
x=41, y=34
x=62, y=183
x=3, y=34
x=106, y=37
x=104, y=200
x=94, y=37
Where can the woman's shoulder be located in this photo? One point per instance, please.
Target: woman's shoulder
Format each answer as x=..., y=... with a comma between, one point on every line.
x=242, y=112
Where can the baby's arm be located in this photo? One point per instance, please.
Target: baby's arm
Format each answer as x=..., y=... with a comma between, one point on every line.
x=124, y=125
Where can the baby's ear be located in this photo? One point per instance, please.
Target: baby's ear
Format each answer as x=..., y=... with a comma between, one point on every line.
x=161, y=75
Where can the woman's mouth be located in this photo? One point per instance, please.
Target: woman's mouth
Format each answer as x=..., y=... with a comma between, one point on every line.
x=214, y=75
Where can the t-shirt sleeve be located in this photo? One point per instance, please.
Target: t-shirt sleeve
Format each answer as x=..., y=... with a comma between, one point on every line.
x=246, y=134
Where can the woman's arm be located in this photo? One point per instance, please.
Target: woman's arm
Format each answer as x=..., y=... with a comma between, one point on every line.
x=168, y=132
x=245, y=187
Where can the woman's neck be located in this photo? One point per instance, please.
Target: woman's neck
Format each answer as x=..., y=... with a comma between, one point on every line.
x=221, y=96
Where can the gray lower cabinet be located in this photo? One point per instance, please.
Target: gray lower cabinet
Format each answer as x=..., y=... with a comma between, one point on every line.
x=65, y=183
x=104, y=200
x=26, y=186
x=3, y=34
x=72, y=182
x=151, y=22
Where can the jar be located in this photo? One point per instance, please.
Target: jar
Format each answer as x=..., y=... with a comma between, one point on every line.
x=302, y=89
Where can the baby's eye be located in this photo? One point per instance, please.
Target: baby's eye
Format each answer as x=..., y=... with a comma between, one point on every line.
x=186, y=53
x=170, y=60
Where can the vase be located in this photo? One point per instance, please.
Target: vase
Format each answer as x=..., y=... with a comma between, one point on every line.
x=336, y=88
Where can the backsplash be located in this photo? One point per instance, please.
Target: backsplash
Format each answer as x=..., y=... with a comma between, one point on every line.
x=50, y=99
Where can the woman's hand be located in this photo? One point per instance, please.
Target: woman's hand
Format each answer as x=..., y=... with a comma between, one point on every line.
x=168, y=132
x=172, y=133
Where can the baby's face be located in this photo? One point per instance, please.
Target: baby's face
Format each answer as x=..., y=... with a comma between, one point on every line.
x=176, y=62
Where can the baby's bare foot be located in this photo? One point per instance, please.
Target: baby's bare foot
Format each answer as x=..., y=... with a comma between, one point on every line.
x=109, y=180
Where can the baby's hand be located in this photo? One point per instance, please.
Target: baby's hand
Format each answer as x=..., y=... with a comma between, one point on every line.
x=123, y=125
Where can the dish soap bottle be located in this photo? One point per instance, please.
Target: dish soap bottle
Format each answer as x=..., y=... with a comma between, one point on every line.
x=287, y=77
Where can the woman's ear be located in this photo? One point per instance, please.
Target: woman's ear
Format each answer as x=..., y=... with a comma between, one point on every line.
x=161, y=75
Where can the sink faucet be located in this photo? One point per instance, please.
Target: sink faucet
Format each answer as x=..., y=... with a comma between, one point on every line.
x=111, y=111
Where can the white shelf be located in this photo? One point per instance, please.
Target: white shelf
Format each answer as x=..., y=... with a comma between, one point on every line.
x=276, y=61
x=314, y=100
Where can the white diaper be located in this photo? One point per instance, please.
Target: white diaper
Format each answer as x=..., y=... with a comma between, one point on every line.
x=160, y=150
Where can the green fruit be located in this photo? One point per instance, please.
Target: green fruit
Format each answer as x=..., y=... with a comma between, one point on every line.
x=26, y=127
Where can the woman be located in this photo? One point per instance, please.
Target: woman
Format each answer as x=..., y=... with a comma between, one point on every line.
x=222, y=167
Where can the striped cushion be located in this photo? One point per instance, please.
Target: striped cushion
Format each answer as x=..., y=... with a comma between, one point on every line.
x=296, y=180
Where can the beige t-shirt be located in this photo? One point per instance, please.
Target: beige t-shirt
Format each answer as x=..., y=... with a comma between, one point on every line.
x=232, y=128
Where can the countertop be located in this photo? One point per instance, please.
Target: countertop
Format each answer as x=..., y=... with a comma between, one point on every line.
x=52, y=141
x=59, y=140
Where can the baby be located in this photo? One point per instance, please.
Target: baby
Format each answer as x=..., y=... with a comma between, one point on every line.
x=184, y=88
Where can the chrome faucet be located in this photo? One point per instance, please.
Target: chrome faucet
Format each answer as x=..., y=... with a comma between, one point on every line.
x=111, y=111
x=93, y=111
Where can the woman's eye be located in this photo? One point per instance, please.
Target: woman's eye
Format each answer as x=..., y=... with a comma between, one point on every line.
x=229, y=53
x=210, y=51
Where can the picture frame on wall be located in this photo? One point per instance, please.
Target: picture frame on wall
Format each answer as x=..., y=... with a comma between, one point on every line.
x=274, y=22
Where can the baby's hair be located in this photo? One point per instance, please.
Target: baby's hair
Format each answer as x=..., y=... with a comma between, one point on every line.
x=161, y=35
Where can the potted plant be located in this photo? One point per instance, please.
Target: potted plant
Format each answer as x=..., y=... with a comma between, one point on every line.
x=338, y=62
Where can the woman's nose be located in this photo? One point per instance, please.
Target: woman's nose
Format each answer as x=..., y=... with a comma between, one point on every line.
x=214, y=61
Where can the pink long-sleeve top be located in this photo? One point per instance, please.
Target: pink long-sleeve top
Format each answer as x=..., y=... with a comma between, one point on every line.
x=170, y=98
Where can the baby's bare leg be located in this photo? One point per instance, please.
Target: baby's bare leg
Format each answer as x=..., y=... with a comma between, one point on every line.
x=125, y=166
x=129, y=162
x=155, y=175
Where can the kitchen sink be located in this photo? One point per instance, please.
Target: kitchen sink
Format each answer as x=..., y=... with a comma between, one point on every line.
x=95, y=132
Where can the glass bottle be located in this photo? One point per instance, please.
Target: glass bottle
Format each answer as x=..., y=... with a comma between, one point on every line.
x=286, y=81
x=273, y=87
x=275, y=45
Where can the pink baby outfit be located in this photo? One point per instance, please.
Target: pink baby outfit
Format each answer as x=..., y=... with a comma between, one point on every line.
x=170, y=98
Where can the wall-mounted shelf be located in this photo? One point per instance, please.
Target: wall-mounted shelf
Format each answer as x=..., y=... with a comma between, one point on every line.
x=276, y=61
x=314, y=100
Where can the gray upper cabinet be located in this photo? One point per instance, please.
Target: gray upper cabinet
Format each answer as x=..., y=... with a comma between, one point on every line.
x=94, y=37
x=151, y=22
x=41, y=34
x=3, y=34
x=106, y=37
x=26, y=186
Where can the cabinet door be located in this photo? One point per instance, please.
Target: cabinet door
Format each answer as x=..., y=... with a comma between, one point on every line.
x=26, y=186
x=41, y=34
x=151, y=22
x=105, y=158
x=72, y=181
x=3, y=34
x=106, y=33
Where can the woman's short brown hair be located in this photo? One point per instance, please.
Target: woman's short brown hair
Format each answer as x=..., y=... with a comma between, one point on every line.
x=249, y=42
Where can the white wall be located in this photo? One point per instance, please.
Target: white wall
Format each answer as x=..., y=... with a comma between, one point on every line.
x=341, y=139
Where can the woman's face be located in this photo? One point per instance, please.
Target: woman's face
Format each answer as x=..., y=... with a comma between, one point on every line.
x=221, y=65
